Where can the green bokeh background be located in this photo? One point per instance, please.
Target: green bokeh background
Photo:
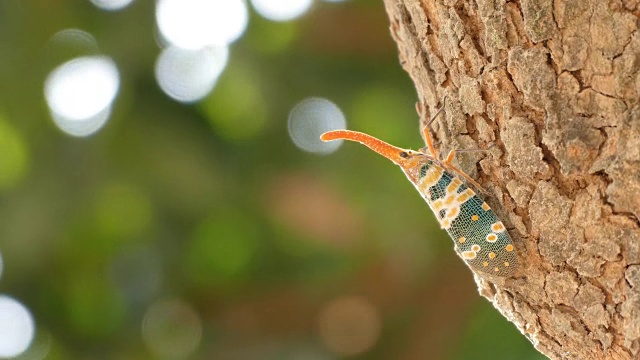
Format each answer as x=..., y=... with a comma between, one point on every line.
x=212, y=204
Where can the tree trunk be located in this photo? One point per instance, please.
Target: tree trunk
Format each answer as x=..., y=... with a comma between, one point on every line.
x=555, y=85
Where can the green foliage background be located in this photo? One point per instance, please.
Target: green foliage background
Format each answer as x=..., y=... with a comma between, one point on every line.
x=213, y=205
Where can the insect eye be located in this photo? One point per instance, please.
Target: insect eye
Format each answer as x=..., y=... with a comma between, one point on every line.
x=404, y=154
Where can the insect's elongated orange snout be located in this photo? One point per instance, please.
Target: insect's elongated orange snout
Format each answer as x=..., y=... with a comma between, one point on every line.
x=487, y=250
x=393, y=153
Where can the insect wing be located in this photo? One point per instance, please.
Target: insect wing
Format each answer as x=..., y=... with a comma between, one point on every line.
x=480, y=238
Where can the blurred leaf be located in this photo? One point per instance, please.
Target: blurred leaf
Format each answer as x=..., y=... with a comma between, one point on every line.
x=387, y=113
x=13, y=155
x=122, y=211
x=222, y=248
x=93, y=306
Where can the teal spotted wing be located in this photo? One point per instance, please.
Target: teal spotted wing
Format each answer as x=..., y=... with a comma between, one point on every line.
x=480, y=238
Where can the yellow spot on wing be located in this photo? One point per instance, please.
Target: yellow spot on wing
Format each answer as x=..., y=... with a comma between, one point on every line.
x=453, y=212
x=497, y=227
x=449, y=199
x=465, y=195
x=485, y=206
x=469, y=254
x=492, y=255
x=492, y=238
x=423, y=187
x=509, y=247
x=485, y=264
x=462, y=240
x=475, y=217
x=453, y=186
x=506, y=263
x=432, y=177
x=475, y=248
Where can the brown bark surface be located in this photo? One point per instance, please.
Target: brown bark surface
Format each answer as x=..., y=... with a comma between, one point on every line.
x=555, y=85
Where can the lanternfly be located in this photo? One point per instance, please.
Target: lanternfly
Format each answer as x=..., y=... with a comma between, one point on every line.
x=480, y=238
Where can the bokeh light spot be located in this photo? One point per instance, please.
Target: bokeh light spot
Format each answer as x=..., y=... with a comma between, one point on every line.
x=111, y=5
x=42, y=347
x=82, y=127
x=172, y=329
x=74, y=40
x=16, y=327
x=281, y=10
x=194, y=24
x=82, y=87
x=222, y=247
x=312, y=117
x=189, y=75
x=349, y=325
x=80, y=93
x=14, y=158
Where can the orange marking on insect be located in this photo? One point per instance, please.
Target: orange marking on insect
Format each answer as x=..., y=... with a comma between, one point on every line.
x=469, y=254
x=453, y=212
x=449, y=199
x=453, y=186
x=497, y=227
x=438, y=205
x=432, y=177
x=465, y=195
x=429, y=180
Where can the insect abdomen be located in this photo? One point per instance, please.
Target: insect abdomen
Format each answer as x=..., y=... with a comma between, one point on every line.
x=480, y=238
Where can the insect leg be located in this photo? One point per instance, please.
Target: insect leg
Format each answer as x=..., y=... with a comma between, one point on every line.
x=452, y=153
x=427, y=133
x=447, y=164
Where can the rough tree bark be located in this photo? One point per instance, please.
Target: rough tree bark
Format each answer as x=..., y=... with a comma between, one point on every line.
x=555, y=85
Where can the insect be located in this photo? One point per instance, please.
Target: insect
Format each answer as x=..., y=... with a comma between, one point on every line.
x=480, y=238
